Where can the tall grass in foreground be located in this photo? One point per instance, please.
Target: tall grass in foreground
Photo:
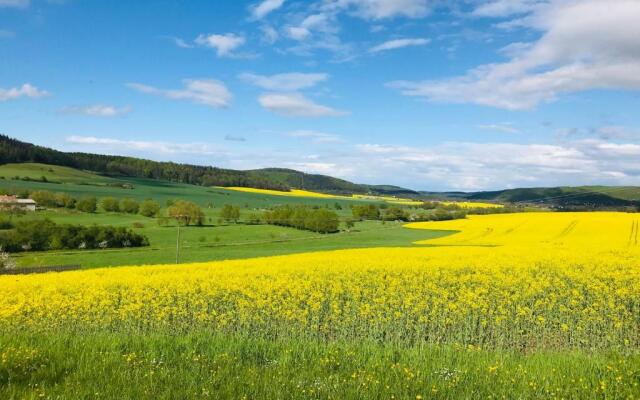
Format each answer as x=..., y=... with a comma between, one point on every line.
x=118, y=366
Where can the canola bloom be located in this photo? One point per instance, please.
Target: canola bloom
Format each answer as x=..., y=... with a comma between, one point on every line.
x=292, y=192
x=513, y=281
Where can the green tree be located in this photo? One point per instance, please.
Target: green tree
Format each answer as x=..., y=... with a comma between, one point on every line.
x=64, y=200
x=129, y=206
x=149, y=208
x=44, y=198
x=396, y=214
x=230, y=213
x=365, y=211
x=186, y=212
x=110, y=204
x=322, y=221
x=87, y=204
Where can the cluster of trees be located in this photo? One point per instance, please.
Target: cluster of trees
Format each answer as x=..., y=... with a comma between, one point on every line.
x=186, y=212
x=45, y=198
x=319, y=220
x=41, y=235
x=230, y=213
x=147, y=208
x=434, y=211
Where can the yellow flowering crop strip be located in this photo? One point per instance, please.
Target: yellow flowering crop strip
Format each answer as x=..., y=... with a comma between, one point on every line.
x=516, y=281
x=472, y=204
x=292, y=192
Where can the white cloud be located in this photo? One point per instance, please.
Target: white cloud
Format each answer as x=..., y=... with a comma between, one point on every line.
x=505, y=8
x=296, y=105
x=209, y=92
x=504, y=128
x=285, y=82
x=26, y=90
x=585, y=45
x=398, y=44
x=223, y=44
x=182, y=43
x=154, y=147
x=14, y=3
x=316, y=137
x=98, y=110
x=485, y=166
x=260, y=10
x=380, y=9
x=269, y=34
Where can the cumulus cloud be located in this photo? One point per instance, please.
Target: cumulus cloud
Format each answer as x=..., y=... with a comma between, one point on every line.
x=485, y=166
x=98, y=110
x=284, y=82
x=26, y=90
x=209, y=92
x=224, y=45
x=153, y=147
x=260, y=10
x=585, y=45
x=398, y=44
x=296, y=105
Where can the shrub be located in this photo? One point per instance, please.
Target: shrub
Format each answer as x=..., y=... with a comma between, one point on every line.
x=365, y=211
x=149, y=208
x=129, y=206
x=230, y=213
x=88, y=204
x=110, y=204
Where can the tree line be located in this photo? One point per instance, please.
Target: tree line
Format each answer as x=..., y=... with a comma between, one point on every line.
x=15, y=151
x=42, y=235
x=319, y=220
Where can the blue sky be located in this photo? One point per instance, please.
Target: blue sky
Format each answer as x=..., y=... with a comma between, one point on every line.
x=427, y=94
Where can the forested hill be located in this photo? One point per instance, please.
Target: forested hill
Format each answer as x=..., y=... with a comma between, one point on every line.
x=16, y=151
x=585, y=197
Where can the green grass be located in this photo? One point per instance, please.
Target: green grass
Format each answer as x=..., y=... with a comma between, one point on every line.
x=82, y=184
x=212, y=242
x=56, y=365
x=52, y=173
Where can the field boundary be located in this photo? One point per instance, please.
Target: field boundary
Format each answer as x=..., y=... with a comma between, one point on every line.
x=40, y=270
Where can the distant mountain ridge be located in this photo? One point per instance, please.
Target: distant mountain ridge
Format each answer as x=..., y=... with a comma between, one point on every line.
x=16, y=151
x=563, y=196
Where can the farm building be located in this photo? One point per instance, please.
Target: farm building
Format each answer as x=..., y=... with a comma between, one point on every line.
x=12, y=202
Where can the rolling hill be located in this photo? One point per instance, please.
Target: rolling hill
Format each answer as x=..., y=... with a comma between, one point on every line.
x=15, y=151
x=565, y=196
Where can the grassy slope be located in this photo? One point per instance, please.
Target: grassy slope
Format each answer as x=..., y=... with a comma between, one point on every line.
x=160, y=191
x=53, y=173
x=212, y=242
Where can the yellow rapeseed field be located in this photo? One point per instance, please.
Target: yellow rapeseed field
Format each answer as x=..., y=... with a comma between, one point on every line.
x=518, y=281
x=292, y=192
